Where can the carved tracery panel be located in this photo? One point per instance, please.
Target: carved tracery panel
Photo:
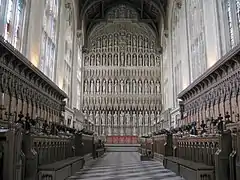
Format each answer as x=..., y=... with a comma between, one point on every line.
x=122, y=67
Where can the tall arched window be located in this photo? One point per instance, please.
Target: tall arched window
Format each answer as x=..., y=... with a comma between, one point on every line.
x=13, y=21
x=79, y=77
x=238, y=12
x=49, y=33
x=232, y=8
x=196, y=35
x=176, y=50
x=230, y=23
x=68, y=52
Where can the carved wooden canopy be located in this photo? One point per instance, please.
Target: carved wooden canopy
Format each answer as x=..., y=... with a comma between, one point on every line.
x=151, y=12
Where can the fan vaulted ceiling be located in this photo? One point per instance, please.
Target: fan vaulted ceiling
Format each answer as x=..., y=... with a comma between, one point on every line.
x=151, y=12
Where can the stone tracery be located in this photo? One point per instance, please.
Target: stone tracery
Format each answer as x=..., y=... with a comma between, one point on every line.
x=121, y=70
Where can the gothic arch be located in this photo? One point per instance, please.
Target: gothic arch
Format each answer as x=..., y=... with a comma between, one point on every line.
x=122, y=50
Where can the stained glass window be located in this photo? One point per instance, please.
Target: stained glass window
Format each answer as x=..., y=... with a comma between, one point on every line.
x=48, y=45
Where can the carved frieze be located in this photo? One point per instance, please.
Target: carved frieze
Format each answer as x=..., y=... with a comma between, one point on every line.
x=21, y=79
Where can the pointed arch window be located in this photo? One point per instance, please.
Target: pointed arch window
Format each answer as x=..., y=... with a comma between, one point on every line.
x=49, y=31
x=176, y=50
x=196, y=35
x=230, y=23
x=14, y=21
x=238, y=12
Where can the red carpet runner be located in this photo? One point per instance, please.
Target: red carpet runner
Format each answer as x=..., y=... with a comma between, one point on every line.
x=122, y=140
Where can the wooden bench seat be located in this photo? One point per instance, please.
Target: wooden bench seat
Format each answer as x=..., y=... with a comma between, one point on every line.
x=60, y=170
x=189, y=170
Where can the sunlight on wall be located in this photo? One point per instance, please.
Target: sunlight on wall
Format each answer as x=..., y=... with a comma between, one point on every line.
x=60, y=82
x=211, y=60
x=34, y=59
x=185, y=83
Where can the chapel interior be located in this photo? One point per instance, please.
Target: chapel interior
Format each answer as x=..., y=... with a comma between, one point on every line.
x=120, y=89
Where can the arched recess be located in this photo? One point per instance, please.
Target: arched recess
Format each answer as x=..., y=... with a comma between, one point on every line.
x=120, y=37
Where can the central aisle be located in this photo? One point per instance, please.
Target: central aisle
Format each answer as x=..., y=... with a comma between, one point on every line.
x=124, y=166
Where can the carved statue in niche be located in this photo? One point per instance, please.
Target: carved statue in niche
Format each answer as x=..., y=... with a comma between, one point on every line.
x=128, y=86
x=115, y=39
x=152, y=117
x=146, y=118
x=115, y=86
x=134, y=86
x=98, y=60
x=145, y=43
x=86, y=61
x=110, y=38
x=115, y=60
x=92, y=60
x=151, y=87
x=98, y=86
x=109, y=118
x=158, y=87
x=109, y=59
x=99, y=43
x=158, y=116
x=140, y=39
x=121, y=118
x=115, y=118
x=122, y=58
x=104, y=86
x=140, y=118
x=158, y=63
x=134, y=59
x=128, y=60
x=140, y=87
x=146, y=60
x=92, y=86
x=85, y=115
x=134, y=43
x=122, y=39
x=103, y=60
x=146, y=87
x=110, y=86
x=129, y=39
x=121, y=87
x=85, y=86
x=91, y=116
x=152, y=60
x=93, y=44
x=152, y=45
x=140, y=60
x=134, y=118
x=105, y=41
x=128, y=118
x=97, y=118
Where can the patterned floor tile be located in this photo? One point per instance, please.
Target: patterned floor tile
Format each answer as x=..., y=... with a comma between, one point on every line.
x=124, y=166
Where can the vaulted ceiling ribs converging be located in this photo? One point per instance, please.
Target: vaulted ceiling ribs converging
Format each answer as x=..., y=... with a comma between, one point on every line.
x=150, y=11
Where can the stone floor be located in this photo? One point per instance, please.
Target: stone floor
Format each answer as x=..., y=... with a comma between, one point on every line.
x=124, y=166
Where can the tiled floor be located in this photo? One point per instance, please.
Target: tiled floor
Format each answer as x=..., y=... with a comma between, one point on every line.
x=124, y=166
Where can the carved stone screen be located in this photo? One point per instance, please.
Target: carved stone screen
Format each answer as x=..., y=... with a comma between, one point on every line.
x=121, y=89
